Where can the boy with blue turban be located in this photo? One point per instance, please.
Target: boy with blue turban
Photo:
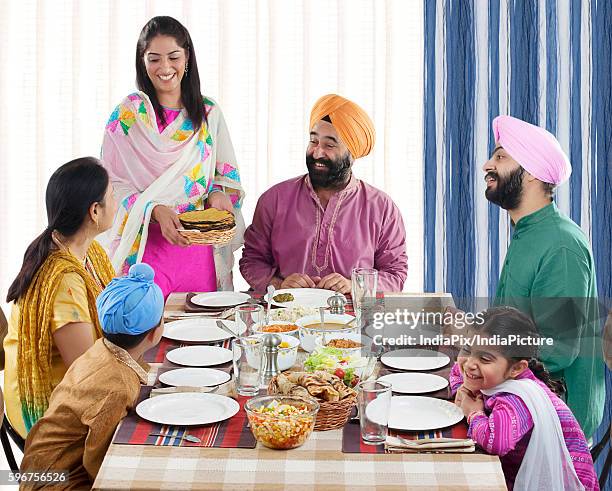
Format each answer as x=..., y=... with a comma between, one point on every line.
x=102, y=385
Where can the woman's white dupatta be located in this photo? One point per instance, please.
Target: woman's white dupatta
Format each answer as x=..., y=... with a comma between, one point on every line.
x=547, y=464
x=176, y=168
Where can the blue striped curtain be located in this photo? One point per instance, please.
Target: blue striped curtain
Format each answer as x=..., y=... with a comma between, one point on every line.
x=548, y=62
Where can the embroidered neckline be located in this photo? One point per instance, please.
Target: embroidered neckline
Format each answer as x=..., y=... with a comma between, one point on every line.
x=124, y=357
x=315, y=246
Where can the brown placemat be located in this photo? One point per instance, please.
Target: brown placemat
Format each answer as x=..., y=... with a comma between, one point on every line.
x=191, y=307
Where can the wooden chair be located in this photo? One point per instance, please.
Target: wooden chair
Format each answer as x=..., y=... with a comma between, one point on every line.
x=6, y=444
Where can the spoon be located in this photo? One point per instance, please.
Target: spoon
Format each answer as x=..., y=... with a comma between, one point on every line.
x=271, y=291
x=189, y=438
x=221, y=325
x=322, y=313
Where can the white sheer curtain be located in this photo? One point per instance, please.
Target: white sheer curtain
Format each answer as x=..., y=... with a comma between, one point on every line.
x=66, y=64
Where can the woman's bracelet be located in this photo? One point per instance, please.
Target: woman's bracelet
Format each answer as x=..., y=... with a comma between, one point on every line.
x=473, y=414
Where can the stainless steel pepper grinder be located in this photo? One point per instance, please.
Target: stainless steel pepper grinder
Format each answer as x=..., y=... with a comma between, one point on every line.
x=337, y=303
x=270, y=358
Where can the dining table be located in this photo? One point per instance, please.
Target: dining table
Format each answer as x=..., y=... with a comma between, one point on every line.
x=319, y=464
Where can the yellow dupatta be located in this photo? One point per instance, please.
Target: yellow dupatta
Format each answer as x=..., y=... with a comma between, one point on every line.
x=34, y=325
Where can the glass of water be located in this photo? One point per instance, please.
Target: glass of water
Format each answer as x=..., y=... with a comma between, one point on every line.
x=374, y=404
x=247, y=315
x=363, y=287
x=247, y=353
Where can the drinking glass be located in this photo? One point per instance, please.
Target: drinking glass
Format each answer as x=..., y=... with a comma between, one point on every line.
x=247, y=353
x=363, y=287
x=247, y=315
x=374, y=404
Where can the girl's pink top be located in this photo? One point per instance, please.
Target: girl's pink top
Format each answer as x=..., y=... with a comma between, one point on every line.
x=505, y=430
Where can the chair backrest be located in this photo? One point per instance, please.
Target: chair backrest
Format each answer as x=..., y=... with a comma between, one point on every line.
x=6, y=445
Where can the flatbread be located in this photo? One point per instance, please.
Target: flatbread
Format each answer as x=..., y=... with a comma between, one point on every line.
x=207, y=220
x=321, y=385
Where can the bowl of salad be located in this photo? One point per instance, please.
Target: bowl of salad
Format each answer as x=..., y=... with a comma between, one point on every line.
x=281, y=422
x=350, y=368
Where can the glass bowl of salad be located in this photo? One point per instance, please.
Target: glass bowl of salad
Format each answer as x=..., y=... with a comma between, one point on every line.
x=281, y=422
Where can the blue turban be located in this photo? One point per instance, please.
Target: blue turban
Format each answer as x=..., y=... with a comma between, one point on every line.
x=132, y=304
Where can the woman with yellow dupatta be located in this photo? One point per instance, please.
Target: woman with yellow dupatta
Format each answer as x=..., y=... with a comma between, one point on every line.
x=53, y=318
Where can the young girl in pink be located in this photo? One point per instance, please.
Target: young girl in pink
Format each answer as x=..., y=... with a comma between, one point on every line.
x=511, y=410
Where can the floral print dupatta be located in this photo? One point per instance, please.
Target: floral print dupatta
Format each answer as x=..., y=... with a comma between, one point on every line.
x=177, y=167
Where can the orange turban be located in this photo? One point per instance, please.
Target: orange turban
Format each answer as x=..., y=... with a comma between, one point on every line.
x=351, y=122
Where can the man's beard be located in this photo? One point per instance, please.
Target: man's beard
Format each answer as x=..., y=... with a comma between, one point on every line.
x=507, y=191
x=336, y=175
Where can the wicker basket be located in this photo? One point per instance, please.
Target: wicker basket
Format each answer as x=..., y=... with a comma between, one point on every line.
x=214, y=237
x=331, y=415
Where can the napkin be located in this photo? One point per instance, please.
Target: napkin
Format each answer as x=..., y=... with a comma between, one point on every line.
x=446, y=445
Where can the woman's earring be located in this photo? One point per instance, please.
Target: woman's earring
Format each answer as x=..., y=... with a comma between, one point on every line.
x=186, y=67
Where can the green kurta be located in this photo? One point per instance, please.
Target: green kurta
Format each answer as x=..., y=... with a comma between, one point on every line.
x=549, y=273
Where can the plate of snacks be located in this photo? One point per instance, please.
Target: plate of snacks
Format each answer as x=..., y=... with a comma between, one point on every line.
x=281, y=422
x=335, y=399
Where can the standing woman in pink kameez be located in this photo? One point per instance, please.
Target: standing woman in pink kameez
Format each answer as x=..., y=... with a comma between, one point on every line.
x=168, y=150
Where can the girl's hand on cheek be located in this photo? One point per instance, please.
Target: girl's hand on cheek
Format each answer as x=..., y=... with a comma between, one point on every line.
x=471, y=404
x=462, y=393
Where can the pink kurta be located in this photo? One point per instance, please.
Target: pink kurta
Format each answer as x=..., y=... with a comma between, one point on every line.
x=506, y=430
x=292, y=233
x=177, y=166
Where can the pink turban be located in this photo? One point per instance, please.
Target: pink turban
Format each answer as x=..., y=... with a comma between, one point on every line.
x=534, y=148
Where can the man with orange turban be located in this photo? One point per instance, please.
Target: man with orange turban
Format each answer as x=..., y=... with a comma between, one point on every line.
x=312, y=230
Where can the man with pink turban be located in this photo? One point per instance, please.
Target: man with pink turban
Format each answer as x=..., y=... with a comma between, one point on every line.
x=312, y=230
x=548, y=271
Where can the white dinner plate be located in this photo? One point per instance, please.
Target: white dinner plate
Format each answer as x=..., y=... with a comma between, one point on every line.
x=220, y=299
x=414, y=359
x=199, y=330
x=416, y=413
x=199, y=356
x=194, y=377
x=187, y=408
x=414, y=383
x=304, y=297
